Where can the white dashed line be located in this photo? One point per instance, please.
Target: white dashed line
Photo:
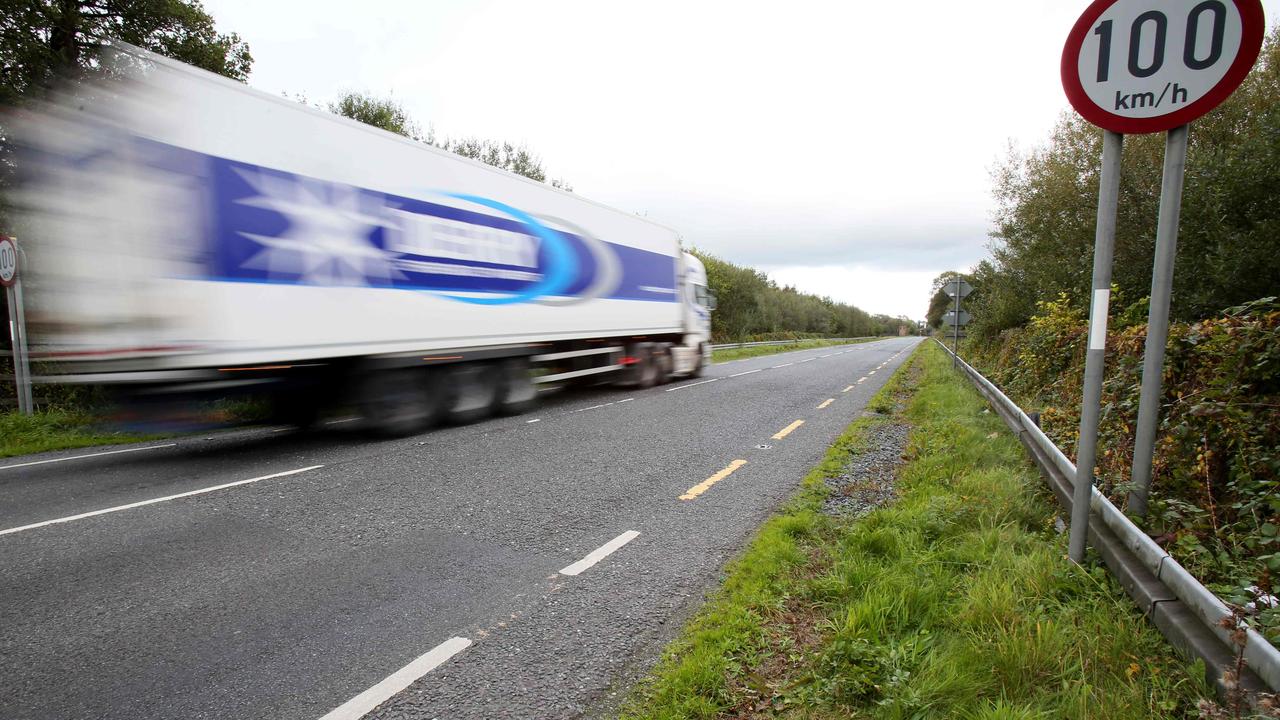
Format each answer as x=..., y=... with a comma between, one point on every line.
x=88, y=455
x=847, y=389
x=861, y=380
x=600, y=553
x=701, y=382
x=360, y=705
x=775, y=367
x=118, y=508
x=746, y=373
x=533, y=420
x=808, y=360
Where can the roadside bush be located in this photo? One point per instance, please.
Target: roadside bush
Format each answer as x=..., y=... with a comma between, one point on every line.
x=1216, y=474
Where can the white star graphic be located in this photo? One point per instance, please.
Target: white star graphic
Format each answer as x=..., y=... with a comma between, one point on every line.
x=327, y=241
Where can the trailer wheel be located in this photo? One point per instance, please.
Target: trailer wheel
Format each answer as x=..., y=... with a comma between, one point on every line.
x=665, y=363
x=646, y=367
x=473, y=391
x=398, y=402
x=516, y=393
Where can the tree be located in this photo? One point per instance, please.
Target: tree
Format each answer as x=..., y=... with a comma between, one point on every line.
x=386, y=114
x=391, y=116
x=41, y=40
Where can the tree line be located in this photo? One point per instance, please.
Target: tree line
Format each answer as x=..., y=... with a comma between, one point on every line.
x=750, y=306
x=1229, y=239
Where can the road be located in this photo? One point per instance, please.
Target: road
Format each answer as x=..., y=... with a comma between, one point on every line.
x=528, y=566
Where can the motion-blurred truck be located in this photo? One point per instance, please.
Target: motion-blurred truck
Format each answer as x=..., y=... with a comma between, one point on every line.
x=189, y=237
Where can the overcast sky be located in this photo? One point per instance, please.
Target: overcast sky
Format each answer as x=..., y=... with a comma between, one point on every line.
x=843, y=147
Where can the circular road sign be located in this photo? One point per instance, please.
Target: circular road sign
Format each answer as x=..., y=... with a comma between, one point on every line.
x=8, y=261
x=1141, y=66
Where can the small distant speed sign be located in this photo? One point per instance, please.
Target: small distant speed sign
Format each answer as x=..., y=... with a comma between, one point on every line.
x=1141, y=66
x=8, y=261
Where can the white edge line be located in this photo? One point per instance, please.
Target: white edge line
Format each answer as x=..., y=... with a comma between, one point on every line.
x=746, y=373
x=153, y=501
x=627, y=400
x=361, y=704
x=700, y=382
x=89, y=455
x=600, y=553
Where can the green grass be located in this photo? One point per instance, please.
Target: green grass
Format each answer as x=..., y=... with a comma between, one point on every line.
x=956, y=601
x=53, y=430
x=718, y=356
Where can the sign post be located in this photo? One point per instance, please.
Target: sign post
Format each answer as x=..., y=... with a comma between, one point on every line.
x=17, y=324
x=1143, y=66
x=956, y=288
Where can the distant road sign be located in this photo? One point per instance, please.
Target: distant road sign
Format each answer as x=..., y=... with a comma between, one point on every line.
x=954, y=318
x=8, y=261
x=957, y=287
x=1142, y=66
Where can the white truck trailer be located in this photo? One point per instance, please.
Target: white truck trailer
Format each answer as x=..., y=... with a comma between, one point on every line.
x=189, y=236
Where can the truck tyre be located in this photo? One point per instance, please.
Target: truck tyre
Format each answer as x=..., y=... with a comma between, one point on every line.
x=700, y=366
x=398, y=402
x=516, y=393
x=473, y=390
x=646, y=367
x=666, y=364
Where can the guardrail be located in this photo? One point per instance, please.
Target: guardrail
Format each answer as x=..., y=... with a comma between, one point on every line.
x=730, y=346
x=1184, y=610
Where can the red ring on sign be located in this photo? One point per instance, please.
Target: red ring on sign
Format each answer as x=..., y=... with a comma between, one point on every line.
x=1253, y=28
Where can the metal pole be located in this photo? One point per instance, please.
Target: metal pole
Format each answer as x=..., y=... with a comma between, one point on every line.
x=23, y=358
x=20, y=384
x=1175, y=161
x=955, y=330
x=1103, y=249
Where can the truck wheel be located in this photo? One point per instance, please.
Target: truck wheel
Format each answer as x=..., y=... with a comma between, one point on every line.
x=516, y=393
x=646, y=368
x=398, y=402
x=473, y=389
x=666, y=364
x=699, y=367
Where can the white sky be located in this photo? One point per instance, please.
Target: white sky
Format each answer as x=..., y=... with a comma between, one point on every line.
x=843, y=147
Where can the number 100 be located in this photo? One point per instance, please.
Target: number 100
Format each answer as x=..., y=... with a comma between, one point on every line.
x=1159, y=23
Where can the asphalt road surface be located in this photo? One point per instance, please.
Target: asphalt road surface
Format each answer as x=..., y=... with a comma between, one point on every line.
x=520, y=567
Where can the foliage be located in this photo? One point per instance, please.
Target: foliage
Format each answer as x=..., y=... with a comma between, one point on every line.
x=1215, y=495
x=54, y=429
x=1227, y=250
x=952, y=603
x=43, y=39
x=389, y=115
x=750, y=305
x=378, y=112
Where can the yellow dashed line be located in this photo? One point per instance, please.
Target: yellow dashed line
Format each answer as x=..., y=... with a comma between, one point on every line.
x=847, y=389
x=826, y=402
x=788, y=430
x=702, y=487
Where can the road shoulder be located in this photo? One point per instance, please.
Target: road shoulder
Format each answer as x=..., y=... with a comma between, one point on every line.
x=952, y=600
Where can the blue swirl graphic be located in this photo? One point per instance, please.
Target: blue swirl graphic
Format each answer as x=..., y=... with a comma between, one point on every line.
x=562, y=264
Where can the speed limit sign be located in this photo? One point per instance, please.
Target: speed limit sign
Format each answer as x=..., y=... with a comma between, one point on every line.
x=8, y=261
x=1142, y=66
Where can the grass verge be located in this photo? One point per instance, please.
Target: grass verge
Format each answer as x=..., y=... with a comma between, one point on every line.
x=54, y=430
x=954, y=602
x=758, y=350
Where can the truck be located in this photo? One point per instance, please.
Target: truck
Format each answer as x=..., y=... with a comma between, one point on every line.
x=189, y=237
